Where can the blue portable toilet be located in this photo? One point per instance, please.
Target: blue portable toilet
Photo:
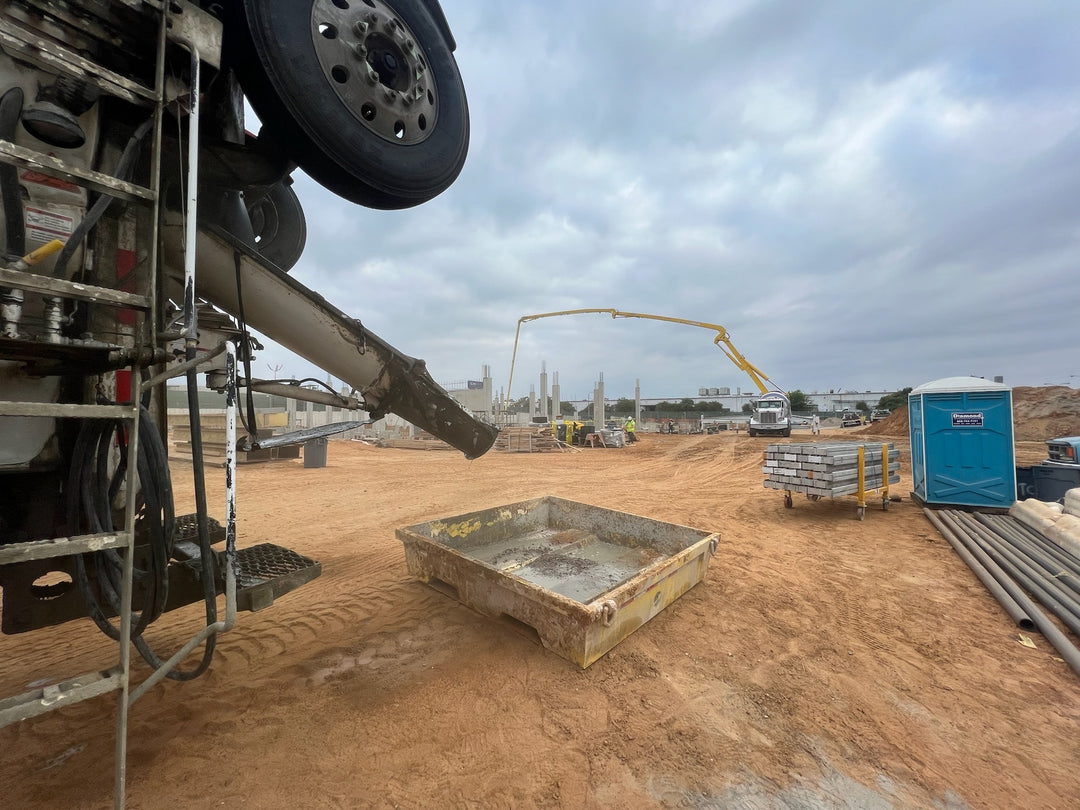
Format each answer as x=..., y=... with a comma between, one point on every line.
x=962, y=443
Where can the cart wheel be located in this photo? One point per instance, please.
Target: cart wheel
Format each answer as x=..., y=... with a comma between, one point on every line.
x=861, y=512
x=884, y=504
x=787, y=500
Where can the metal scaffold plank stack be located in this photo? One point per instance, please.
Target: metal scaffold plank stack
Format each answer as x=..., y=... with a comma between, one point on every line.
x=827, y=469
x=832, y=469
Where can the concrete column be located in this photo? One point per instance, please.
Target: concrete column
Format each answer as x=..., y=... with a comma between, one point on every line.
x=489, y=406
x=637, y=400
x=532, y=403
x=598, y=402
x=543, y=390
x=556, y=395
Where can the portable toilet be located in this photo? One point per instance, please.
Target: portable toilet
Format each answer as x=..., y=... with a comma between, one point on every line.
x=962, y=443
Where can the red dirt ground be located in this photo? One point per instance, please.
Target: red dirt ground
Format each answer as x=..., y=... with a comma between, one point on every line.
x=823, y=663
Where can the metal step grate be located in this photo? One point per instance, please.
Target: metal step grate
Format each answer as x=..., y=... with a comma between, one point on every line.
x=268, y=571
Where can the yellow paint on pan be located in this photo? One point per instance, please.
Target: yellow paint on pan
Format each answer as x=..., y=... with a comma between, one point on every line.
x=462, y=529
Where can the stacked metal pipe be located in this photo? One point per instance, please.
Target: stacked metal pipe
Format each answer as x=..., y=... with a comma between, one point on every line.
x=1020, y=567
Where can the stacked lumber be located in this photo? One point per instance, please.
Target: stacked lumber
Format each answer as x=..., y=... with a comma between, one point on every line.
x=828, y=469
x=213, y=442
x=527, y=439
x=419, y=443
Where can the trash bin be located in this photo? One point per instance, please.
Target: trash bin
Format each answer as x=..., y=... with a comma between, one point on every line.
x=315, y=453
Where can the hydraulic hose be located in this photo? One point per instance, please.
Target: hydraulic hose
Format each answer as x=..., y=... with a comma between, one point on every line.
x=124, y=167
x=92, y=491
x=11, y=104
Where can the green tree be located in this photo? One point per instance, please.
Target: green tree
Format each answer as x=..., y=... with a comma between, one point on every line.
x=624, y=406
x=686, y=404
x=748, y=407
x=895, y=400
x=861, y=405
x=800, y=402
x=566, y=408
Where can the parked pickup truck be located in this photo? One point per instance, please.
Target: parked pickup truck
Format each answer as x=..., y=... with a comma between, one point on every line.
x=878, y=414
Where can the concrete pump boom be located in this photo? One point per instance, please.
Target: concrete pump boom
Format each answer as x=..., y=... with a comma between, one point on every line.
x=734, y=355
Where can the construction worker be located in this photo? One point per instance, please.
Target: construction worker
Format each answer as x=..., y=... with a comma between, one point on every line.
x=630, y=427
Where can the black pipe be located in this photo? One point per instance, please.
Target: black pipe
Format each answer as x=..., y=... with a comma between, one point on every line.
x=1058, y=640
x=1036, y=581
x=11, y=105
x=1010, y=605
x=124, y=167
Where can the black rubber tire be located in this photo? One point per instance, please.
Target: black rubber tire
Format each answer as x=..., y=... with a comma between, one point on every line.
x=269, y=45
x=279, y=225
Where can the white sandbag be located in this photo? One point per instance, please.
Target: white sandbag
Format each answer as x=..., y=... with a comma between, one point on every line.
x=1066, y=533
x=1072, y=502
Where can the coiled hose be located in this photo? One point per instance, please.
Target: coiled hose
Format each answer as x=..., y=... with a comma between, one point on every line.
x=92, y=492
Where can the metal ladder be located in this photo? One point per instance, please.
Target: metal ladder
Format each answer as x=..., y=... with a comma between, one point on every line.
x=180, y=23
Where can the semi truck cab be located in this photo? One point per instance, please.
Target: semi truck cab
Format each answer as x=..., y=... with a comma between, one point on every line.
x=771, y=415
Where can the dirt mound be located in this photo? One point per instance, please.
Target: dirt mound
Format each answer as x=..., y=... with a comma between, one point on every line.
x=1046, y=412
x=896, y=424
x=1039, y=413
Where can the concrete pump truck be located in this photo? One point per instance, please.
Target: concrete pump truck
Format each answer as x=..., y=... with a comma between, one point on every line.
x=145, y=230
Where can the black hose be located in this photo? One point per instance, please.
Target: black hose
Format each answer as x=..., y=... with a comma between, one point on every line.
x=14, y=228
x=123, y=171
x=91, y=490
x=249, y=423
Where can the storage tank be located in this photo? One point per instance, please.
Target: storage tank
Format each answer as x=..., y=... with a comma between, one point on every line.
x=961, y=432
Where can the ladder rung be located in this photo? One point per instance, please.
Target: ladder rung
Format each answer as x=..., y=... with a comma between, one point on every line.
x=40, y=701
x=62, y=410
x=47, y=285
x=61, y=546
x=47, y=164
x=54, y=57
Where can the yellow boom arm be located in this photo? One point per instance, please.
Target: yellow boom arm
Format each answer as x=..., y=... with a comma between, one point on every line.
x=757, y=375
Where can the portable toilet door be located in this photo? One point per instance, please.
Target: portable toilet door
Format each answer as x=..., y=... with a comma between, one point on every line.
x=961, y=433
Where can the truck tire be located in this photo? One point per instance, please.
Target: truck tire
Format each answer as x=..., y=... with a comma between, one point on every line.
x=279, y=225
x=365, y=95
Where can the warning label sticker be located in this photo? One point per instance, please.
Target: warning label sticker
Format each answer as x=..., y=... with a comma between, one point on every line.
x=43, y=226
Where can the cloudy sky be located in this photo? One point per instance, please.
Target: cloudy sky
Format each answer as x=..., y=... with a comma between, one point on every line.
x=868, y=195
